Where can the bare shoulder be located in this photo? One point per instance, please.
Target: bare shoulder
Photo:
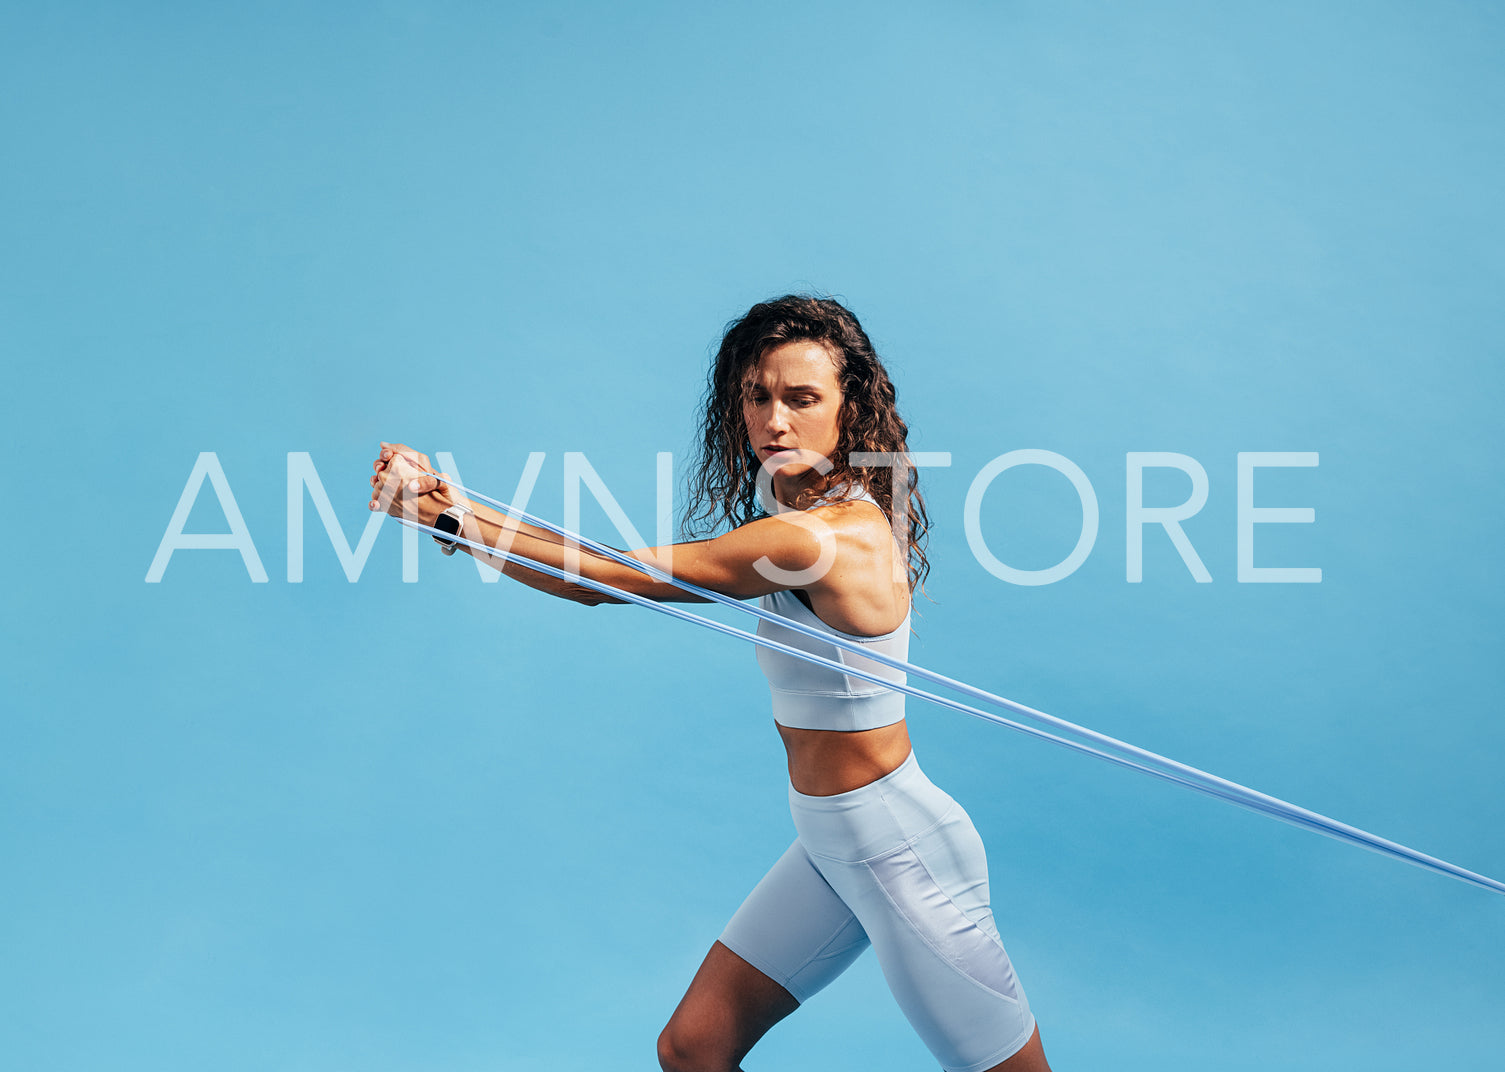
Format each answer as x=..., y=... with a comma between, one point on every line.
x=858, y=521
x=857, y=524
x=866, y=591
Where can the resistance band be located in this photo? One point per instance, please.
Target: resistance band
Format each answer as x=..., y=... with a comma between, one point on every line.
x=1143, y=760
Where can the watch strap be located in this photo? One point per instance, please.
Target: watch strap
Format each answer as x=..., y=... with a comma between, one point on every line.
x=450, y=522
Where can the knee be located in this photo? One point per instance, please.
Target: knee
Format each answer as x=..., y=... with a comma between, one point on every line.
x=682, y=1050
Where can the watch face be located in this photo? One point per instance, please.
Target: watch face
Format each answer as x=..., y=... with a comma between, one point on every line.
x=447, y=523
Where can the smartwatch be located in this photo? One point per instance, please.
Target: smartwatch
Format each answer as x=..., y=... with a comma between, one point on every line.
x=450, y=522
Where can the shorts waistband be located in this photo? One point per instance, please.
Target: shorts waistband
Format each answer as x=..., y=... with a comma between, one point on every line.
x=871, y=819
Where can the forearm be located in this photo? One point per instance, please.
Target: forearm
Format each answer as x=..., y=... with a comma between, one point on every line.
x=514, y=540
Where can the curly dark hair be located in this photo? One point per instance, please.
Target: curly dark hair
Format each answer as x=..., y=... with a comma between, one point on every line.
x=724, y=485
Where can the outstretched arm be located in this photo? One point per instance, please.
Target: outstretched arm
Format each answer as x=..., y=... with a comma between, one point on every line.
x=790, y=550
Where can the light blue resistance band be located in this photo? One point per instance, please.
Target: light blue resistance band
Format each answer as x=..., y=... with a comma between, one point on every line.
x=1154, y=764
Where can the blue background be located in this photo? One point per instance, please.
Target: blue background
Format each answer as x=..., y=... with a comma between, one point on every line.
x=388, y=826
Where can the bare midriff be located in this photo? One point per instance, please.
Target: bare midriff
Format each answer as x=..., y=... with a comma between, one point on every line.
x=823, y=763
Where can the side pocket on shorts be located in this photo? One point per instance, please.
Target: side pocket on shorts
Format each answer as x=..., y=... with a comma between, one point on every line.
x=941, y=924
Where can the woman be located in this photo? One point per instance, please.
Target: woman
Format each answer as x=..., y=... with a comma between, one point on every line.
x=883, y=857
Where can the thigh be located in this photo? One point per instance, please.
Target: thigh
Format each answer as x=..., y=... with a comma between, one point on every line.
x=728, y=1007
x=791, y=936
x=925, y=909
x=794, y=928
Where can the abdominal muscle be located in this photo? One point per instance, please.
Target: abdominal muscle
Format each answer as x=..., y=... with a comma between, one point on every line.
x=823, y=763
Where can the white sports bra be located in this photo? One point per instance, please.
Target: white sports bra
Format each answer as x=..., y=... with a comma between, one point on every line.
x=810, y=697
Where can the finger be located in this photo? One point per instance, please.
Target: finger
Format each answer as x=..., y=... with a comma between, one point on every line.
x=414, y=457
x=410, y=468
x=400, y=481
x=388, y=488
x=417, y=460
x=381, y=497
x=408, y=498
x=401, y=463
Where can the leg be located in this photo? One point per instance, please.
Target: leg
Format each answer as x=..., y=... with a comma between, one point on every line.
x=729, y=1006
x=908, y=862
x=790, y=938
x=926, y=908
x=1029, y=1059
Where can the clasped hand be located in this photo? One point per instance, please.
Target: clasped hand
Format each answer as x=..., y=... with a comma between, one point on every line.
x=404, y=485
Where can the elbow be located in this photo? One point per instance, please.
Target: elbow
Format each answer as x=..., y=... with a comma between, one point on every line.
x=588, y=597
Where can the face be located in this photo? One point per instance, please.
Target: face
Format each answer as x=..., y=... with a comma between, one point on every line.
x=793, y=405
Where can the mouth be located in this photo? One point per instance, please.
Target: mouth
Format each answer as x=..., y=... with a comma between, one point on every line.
x=772, y=449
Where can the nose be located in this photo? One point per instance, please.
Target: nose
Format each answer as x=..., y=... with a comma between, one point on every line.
x=776, y=419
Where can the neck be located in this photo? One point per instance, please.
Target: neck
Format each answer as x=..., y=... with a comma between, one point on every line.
x=787, y=489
